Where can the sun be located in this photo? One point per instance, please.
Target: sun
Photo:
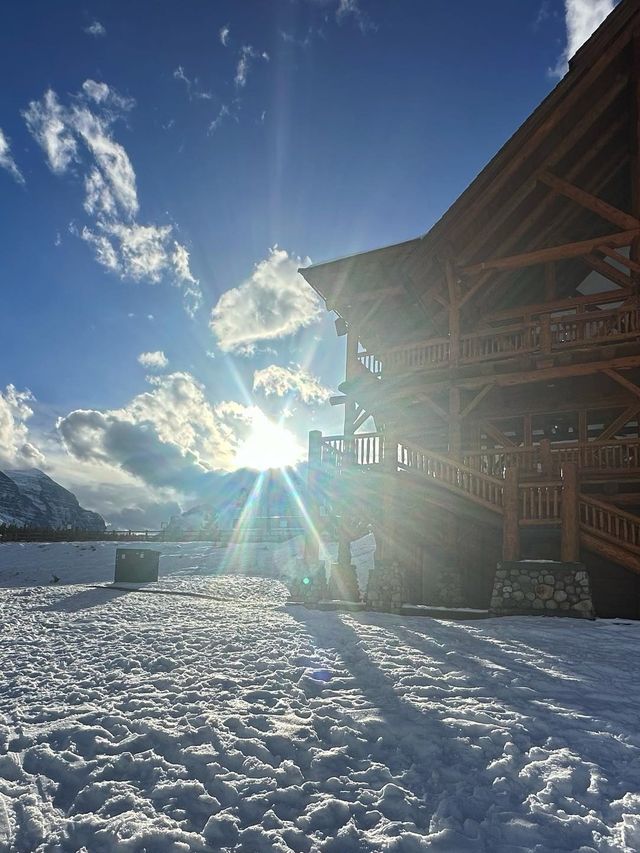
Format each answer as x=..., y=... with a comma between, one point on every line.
x=268, y=445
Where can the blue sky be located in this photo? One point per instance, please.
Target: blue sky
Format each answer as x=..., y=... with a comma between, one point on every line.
x=164, y=168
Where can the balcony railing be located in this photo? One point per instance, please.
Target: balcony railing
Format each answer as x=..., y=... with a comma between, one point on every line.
x=591, y=457
x=547, y=333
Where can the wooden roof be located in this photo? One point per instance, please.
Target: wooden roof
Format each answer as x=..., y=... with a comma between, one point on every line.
x=582, y=132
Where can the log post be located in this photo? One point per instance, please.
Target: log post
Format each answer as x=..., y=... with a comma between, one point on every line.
x=545, y=333
x=350, y=409
x=634, y=253
x=511, y=508
x=546, y=458
x=312, y=545
x=570, y=519
x=455, y=423
x=386, y=549
x=454, y=313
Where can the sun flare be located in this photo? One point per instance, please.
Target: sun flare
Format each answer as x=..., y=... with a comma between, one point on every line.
x=268, y=445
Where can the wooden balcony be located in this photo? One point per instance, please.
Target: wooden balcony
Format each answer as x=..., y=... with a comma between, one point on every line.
x=546, y=333
x=527, y=502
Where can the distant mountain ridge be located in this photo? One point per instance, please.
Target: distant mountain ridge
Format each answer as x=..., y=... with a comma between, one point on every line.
x=29, y=497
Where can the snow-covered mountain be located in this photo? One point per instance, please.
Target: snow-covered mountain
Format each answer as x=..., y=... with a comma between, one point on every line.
x=29, y=497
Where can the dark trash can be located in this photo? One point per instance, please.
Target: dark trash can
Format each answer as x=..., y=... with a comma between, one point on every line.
x=136, y=565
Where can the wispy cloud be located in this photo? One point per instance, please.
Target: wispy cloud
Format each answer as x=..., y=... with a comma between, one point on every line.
x=224, y=35
x=352, y=9
x=582, y=18
x=82, y=134
x=273, y=302
x=6, y=159
x=153, y=360
x=223, y=113
x=281, y=381
x=248, y=55
x=193, y=92
x=95, y=29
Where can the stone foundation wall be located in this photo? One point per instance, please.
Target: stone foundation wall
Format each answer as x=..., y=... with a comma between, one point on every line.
x=540, y=587
x=443, y=586
x=308, y=583
x=386, y=587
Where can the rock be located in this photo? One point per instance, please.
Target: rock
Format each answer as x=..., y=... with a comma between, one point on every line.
x=560, y=595
x=544, y=591
x=538, y=605
x=518, y=595
x=584, y=606
x=530, y=596
x=551, y=604
x=549, y=579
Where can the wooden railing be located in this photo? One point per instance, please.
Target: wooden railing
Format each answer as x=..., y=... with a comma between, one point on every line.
x=608, y=522
x=365, y=448
x=370, y=362
x=478, y=487
x=534, y=502
x=540, y=502
x=549, y=333
x=617, y=456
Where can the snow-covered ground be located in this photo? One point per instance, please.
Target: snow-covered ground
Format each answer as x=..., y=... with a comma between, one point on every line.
x=138, y=722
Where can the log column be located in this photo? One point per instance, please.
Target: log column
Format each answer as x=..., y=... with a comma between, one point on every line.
x=455, y=423
x=634, y=253
x=511, y=522
x=570, y=516
x=312, y=545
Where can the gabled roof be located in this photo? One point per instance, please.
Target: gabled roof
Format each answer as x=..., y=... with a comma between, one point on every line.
x=581, y=132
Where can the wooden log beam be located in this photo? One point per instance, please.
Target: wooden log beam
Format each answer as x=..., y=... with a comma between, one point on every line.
x=497, y=435
x=540, y=216
x=527, y=139
x=425, y=398
x=572, y=302
x=607, y=211
x=362, y=416
x=555, y=253
x=620, y=258
x=484, y=230
x=477, y=399
x=622, y=380
x=609, y=272
x=618, y=423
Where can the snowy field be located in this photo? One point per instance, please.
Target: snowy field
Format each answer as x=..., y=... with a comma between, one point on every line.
x=139, y=722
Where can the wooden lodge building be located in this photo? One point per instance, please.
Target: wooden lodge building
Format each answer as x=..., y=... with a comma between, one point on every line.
x=492, y=389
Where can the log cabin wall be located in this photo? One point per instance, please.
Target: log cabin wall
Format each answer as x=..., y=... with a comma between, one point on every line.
x=493, y=364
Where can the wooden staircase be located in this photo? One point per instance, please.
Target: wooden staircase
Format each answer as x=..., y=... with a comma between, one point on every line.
x=603, y=527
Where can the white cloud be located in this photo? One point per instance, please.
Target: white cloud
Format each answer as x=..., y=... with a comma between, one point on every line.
x=101, y=93
x=15, y=411
x=247, y=55
x=582, y=18
x=222, y=114
x=6, y=160
x=192, y=85
x=121, y=244
x=285, y=380
x=169, y=437
x=224, y=35
x=153, y=360
x=95, y=29
x=273, y=302
x=47, y=122
x=111, y=158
